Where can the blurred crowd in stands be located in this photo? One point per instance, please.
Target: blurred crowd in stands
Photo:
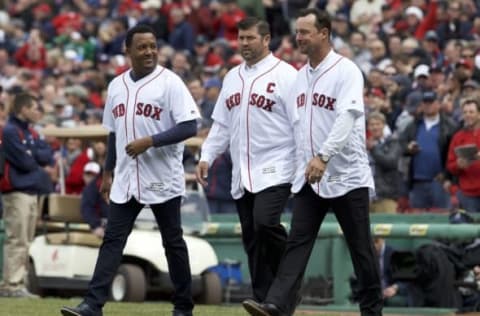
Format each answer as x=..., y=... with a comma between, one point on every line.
x=420, y=60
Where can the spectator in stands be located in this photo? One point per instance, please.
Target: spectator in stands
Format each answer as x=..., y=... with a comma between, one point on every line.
x=93, y=205
x=196, y=88
x=154, y=18
x=426, y=141
x=468, y=53
x=182, y=36
x=467, y=169
x=390, y=288
x=229, y=14
x=383, y=154
x=219, y=179
x=75, y=160
x=454, y=27
x=32, y=54
x=431, y=45
x=378, y=52
x=366, y=14
x=180, y=64
x=77, y=97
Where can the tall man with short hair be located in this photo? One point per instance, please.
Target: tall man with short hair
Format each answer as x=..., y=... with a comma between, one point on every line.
x=149, y=112
x=253, y=117
x=26, y=156
x=335, y=173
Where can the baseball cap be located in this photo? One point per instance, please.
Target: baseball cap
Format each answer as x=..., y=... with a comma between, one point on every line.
x=77, y=90
x=92, y=167
x=429, y=96
x=431, y=36
x=471, y=84
x=421, y=70
x=201, y=40
x=402, y=80
x=416, y=11
x=413, y=101
x=60, y=101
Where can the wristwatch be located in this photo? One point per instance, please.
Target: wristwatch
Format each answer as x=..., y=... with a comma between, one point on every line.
x=323, y=158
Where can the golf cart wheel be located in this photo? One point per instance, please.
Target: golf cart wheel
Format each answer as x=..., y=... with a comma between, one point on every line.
x=32, y=280
x=129, y=284
x=212, y=289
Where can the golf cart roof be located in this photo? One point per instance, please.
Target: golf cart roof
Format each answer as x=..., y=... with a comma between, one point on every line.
x=92, y=132
x=83, y=132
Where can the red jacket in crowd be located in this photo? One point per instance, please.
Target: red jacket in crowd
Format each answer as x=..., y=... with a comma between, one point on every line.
x=468, y=178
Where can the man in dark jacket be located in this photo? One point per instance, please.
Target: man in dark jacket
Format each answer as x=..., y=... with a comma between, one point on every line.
x=93, y=206
x=24, y=177
x=383, y=153
x=426, y=141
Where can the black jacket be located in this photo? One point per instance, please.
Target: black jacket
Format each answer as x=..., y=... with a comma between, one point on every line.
x=26, y=154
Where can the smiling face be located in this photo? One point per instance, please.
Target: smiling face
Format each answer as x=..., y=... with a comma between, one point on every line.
x=471, y=115
x=309, y=38
x=143, y=53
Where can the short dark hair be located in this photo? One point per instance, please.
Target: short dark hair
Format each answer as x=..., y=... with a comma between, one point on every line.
x=471, y=100
x=247, y=23
x=21, y=100
x=139, y=28
x=322, y=18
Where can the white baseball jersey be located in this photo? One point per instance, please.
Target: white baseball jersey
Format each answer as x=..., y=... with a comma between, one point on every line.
x=146, y=107
x=257, y=122
x=321, y=94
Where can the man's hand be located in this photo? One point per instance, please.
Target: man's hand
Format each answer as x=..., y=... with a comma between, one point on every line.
x=462, y=163
x=202, y=173
x=99, y=232
x=139, y=146
x=413, y=147
x=390, y=291
x=106, y=185
x=315, y=169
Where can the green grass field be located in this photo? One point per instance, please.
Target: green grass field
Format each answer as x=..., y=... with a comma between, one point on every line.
x=51, y=307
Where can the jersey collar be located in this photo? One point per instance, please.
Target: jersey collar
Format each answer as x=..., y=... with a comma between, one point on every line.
x=260, y=64
x=323, y=64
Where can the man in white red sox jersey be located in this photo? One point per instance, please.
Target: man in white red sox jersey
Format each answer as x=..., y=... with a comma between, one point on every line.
x=149, y=112
x=253, y=118
x=335, y=175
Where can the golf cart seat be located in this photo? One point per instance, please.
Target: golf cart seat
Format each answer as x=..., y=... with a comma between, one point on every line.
x=66, y=209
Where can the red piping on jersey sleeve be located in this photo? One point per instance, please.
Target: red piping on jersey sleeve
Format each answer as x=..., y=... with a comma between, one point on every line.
x=248, y=129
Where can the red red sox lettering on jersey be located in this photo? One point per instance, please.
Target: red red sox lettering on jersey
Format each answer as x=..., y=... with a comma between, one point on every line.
x=256, y=99
x=335, y=86
x=318, y=99
x=147, y=110
x=253, y=111
x=135, y=109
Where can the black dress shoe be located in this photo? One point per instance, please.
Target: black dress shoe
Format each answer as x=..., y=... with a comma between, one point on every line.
x=181, y=313
x=83, y=309
x=258, y=309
